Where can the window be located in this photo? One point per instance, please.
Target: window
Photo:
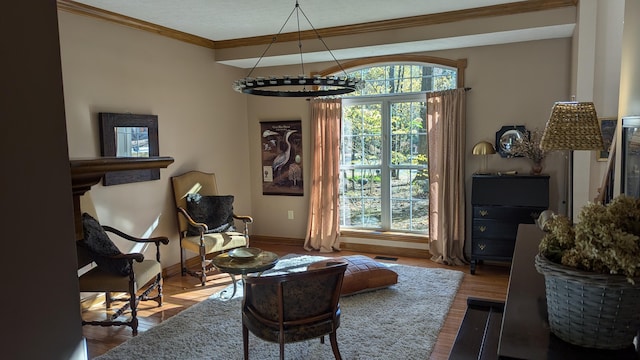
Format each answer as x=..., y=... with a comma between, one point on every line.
x=384, y=180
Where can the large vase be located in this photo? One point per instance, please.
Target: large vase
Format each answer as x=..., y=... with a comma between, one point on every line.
x=589, y=309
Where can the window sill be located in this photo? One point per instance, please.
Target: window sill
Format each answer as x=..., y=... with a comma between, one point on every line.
x=385, y=235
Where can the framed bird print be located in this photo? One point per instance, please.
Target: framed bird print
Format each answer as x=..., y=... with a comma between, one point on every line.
x=282, y=158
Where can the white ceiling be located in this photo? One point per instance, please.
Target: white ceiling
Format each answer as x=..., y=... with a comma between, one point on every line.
x=233, y=19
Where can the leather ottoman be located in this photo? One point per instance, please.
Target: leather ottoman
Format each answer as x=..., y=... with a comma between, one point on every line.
x=362, y=274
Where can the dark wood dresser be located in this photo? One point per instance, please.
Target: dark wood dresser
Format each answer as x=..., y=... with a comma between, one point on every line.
x=500, y=203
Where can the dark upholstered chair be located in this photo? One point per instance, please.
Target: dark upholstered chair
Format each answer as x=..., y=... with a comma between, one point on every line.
x=293, y=307
x=204, y=234
x=116, y=272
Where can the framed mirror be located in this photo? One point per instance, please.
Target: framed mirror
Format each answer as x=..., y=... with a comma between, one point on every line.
x=507, y=136
x=129, y=135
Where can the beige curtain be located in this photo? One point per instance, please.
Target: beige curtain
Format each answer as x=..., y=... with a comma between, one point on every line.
x=446, y=124
x=323, y=229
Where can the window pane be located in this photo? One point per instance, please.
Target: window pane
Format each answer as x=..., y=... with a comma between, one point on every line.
x=408, y=132
x=361, y=135
x=360, y=198
x=404, y=78
x=409, y=200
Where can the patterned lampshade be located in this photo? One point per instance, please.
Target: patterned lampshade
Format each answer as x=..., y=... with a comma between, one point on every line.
x=572, y=126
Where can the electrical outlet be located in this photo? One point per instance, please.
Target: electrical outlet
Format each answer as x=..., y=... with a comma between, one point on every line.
x=290, y=215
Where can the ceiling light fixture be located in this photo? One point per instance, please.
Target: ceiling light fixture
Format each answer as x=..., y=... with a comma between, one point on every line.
x=301, y=85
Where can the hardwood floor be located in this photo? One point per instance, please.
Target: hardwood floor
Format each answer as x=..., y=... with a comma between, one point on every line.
x=180, y=292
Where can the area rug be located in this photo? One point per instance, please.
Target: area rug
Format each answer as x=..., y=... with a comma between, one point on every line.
x=399, y=322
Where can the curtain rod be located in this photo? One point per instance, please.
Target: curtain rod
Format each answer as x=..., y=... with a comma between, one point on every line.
x=465, y=89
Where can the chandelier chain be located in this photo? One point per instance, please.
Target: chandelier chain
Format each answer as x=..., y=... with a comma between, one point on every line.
x=324, y=86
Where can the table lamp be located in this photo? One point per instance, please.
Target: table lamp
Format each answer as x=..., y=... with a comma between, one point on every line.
x=483, y=148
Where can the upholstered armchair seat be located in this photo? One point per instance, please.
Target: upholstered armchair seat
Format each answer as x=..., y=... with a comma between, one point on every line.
x=214, y=242
x=98, y=280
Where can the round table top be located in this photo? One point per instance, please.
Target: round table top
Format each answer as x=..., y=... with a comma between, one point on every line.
x=265, y=260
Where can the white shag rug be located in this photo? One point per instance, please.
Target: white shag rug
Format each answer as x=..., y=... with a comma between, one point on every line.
x=399, y=322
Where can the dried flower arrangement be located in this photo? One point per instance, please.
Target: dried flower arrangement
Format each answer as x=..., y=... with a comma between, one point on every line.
x=529, y=147
x=605, y=240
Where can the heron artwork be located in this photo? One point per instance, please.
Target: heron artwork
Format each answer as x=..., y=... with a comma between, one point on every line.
x=282, y=158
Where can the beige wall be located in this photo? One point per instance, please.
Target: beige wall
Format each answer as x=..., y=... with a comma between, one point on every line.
x=204, y=124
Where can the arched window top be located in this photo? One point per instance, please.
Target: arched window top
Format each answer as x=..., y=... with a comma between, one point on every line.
x=403, y=74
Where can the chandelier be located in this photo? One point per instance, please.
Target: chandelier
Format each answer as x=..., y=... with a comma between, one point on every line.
x=301, y=85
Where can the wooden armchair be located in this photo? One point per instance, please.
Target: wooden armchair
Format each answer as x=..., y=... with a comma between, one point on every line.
x=117, y=272
x=205, y=220
x=293, y=307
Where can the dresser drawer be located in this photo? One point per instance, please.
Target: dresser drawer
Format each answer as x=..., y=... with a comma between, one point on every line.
x=493, y=248
x=494, y=229
x=524, y=215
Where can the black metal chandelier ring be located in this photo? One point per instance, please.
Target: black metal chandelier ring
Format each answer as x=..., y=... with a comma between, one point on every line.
x=334, y=85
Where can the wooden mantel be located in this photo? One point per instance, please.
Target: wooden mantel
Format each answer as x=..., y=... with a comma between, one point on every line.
x=87, y=172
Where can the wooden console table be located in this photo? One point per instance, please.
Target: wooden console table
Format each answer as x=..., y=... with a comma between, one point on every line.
x=87, y=172
x=524, y=331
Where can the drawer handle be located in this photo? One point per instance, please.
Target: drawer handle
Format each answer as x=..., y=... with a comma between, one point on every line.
x=482, y=246
x=482, y=228
x=484, y=212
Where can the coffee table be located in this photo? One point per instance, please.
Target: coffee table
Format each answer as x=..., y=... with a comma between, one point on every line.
x=240, y=265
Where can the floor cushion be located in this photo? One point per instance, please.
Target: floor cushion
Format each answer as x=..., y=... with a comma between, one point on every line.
x=362, y=274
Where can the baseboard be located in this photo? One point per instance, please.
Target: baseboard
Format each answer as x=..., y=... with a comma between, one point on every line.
x=275, y=240
x=347, y=246
x=385, y=250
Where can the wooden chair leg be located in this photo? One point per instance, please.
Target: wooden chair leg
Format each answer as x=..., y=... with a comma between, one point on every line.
x=160, y=296
x=133, y=305
x=334, y=346
x=203, y=265
x=107, y=300
x=245, y=341
x=183, y=264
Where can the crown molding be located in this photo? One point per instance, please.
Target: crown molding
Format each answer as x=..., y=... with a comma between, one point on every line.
x=385, y=25
x=86, y=10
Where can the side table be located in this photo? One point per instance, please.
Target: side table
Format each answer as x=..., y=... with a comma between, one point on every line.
x=227, y=263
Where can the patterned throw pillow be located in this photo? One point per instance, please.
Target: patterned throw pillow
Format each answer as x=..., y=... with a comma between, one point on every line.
x=214, y=210
x=100, y=247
